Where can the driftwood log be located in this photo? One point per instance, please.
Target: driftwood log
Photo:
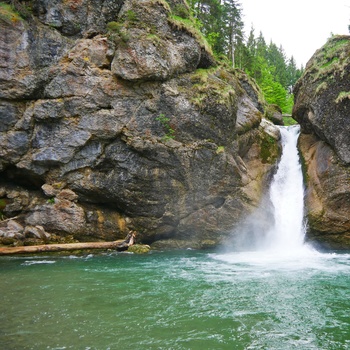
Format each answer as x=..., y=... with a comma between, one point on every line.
x=128, y=241
x=46, y=248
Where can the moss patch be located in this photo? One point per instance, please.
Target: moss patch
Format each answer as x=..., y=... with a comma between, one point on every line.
x=2, y=207
x=289, y=121
x=342, y=96
x=118, y=32
x=220, y=149
x=8, y=14
x=206, y=83
x=268, y=149
x=139, y=249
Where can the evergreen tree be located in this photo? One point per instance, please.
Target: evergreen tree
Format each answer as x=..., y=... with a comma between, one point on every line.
x=222, y=25
x=233, y=28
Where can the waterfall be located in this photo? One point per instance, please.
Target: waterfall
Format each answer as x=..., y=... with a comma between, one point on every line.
x=287, y=196
x=277, y=226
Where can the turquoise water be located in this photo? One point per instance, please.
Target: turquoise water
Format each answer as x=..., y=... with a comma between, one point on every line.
x=176, y=300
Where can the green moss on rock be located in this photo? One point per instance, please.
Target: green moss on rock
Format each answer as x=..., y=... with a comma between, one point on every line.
x=208, y=82
x=139, y=249
x=188, y=25
x=8, y=14
x=330, y=59
x=269, y=150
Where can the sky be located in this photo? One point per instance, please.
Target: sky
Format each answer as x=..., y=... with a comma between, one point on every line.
x=300, y=26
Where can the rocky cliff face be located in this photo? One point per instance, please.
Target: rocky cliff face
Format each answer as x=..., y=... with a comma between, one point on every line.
x=322, y=106
x=114, y=116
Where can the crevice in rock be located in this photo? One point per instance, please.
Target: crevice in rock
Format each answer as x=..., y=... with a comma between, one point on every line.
x=12, y=175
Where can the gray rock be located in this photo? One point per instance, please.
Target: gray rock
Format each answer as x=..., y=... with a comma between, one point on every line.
x=13, y=225
x=322, y=98
x=322, y=104
x=10, y=234
x=36, y=232
x=49, y=190
x=63, y=216
x=126, y=121
x=67, y=194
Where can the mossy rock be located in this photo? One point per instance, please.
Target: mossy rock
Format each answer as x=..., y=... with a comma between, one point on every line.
x=269, y=150
x=139, y=249
x=329, y=60
x=274, y=113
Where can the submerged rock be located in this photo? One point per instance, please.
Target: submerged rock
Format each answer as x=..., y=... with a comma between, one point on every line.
x=127, y=123
x=322, y=107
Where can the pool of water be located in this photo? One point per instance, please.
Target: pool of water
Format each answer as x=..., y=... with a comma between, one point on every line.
x=176, y=300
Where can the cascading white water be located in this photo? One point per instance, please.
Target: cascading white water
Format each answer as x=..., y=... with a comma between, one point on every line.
x=277, y=227
x=267, y=237
x=287, y=196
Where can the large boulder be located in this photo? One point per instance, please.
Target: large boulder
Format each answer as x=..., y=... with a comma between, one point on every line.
x=322, y=107
x=130, y=126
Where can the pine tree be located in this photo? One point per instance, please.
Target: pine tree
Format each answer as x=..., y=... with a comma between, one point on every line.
x=222, y=25
x=233, y=27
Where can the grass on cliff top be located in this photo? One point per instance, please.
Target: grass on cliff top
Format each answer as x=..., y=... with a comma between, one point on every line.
x=189, y=26
x=331, y=58
x=8, y=14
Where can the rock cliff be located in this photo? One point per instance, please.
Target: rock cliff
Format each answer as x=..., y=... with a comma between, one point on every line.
x=115, y=116
x=322, y=107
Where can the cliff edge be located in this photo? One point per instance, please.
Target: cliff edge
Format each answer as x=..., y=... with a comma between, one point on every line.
x=322, y=107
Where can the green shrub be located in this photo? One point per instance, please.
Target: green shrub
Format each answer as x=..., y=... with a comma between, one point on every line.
x=117, y=31
x=131, y=16
x=169, y=134
x=181, y=11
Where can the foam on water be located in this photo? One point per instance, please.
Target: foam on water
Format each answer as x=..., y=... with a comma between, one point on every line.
x=38, y=262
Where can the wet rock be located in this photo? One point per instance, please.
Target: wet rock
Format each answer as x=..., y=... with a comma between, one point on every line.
x=270, y=129
x=327, y=195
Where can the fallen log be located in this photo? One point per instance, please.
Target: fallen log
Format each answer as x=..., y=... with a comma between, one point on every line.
x=45, y=248
x=62, y=247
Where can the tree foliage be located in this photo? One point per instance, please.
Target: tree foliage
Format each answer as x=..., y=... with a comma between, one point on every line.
x=222, y=25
